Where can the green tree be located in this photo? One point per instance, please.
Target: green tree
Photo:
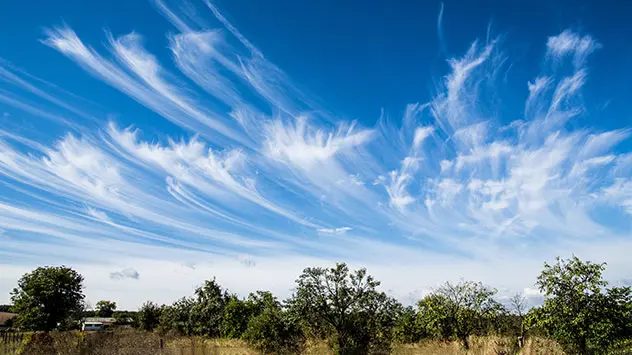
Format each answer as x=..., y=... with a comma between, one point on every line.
x=238, y=313
x=178, y=317
x=273, y=331
x=126, y=318
x=457, y=311
x=235, y=319
x=198, y=315
x=105, y=308
x=46, y=297
x=518, y=305
x=345, y=306
x=208, y=309
x=148, y=316
x=407, y=328
x=579, y=311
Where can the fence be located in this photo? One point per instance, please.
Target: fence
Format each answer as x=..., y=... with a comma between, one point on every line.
x=11, y=342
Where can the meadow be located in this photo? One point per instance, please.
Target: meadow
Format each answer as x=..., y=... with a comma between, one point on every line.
x=134, y=342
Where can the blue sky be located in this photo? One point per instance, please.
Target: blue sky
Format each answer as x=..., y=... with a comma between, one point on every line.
x=155, y=144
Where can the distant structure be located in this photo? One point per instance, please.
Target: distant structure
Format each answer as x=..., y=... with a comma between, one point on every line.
x=4, y=317
x=97, y=323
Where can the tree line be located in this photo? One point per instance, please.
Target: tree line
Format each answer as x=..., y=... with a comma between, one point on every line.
x=346, y=308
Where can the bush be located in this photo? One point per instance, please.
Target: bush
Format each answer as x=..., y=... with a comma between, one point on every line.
x=148, y=316
x=237, y=313
x=272, y=332
x=407, y=328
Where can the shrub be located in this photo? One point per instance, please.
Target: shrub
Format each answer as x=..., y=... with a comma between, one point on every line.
x=273, y=332
x=148, y=316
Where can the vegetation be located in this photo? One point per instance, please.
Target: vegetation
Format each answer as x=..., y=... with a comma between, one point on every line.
x=458, y=311
x=105, y=308
x=580, y=312
x=47, y=298
x=344, y=310
x=148, y=316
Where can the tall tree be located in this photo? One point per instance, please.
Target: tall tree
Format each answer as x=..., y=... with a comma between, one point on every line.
x=46, y=297
x=518, y=304
x=270, y=329
x=237, y=313
x=149, y=316
x=457, y=311
x=346, y=306
x=208, y=308
x=579, y=311
x=105, y=308
x=199, y=315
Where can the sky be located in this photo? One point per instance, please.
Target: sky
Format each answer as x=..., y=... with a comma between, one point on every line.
x=154, y=145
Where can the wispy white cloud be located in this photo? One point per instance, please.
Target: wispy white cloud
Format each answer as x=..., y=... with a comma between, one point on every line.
x=571, y=43
x=339, y=230
x=263, y=174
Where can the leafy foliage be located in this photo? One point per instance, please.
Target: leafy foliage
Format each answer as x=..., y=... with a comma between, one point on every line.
x=345, y=306
x=105, y=308
x=199, y=315
x=46, y=297
x=407, y=327
x=238, y=313
x=579, y=311
x=272, y=329
x=177, y=317
x=457, y=311
x=148, y=316
x=126, y=318
x=208, y=308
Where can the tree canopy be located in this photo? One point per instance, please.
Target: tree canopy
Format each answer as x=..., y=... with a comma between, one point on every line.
x=579, y=311
x=347, y=305
x=148, y=316
x=348, y=310
x=47, y=297
x=105, y=308
x=457, y=311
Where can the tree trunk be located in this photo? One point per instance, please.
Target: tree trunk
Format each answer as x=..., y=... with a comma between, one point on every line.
x=342, y=346
x=466, y=344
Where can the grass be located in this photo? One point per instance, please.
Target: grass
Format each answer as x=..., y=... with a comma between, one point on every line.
x=490, y=345
x=132, y=342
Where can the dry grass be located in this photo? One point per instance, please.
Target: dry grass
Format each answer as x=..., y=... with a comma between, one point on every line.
x=492, y=345
x=131, y=342
x=127, y=342
x=317, y=348
x=201, y=346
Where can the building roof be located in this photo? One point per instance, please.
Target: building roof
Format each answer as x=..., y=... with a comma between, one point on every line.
x=99, y=320
x=5, y=316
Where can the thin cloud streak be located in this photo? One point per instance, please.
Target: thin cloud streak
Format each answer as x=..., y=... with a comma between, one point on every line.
x=265, y=173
